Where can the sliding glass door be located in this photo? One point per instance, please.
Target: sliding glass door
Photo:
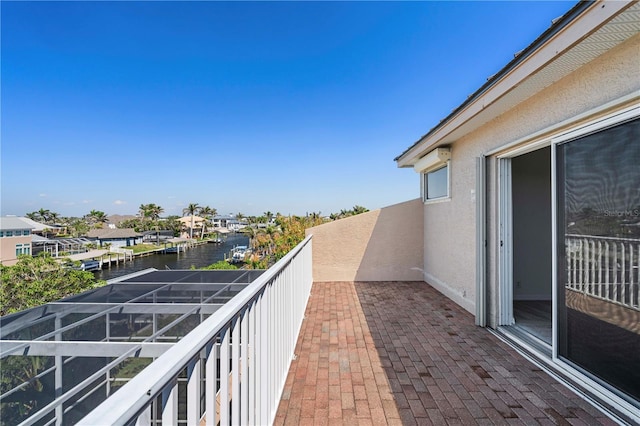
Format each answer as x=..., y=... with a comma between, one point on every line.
x=598, y=255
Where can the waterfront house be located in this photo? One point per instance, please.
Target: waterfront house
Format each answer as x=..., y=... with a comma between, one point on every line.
x=229, y=222
x=197, y=222
x=220, y=221
x=124, y=237
x=15, y=239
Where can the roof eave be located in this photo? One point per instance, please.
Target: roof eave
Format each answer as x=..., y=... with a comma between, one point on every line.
x=573, y=26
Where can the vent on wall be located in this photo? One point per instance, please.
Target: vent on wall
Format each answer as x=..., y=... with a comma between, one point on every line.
x=432, y=160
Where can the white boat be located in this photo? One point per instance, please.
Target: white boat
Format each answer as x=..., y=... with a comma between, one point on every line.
x=90, y=265
x=238, y=254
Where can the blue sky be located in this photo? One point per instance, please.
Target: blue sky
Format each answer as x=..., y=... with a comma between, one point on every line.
x=247, y=107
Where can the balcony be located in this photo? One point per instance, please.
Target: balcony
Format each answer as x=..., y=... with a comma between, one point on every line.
x=346, y=334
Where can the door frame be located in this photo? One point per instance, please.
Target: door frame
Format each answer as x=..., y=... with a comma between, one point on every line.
x=505, y=228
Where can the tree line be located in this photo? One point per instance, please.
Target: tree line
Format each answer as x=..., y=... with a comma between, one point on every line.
x=149, y=218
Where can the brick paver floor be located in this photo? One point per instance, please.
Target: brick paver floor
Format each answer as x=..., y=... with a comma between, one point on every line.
x=378, y=353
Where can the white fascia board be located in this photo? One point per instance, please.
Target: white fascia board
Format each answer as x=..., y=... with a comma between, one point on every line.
x=574, y=32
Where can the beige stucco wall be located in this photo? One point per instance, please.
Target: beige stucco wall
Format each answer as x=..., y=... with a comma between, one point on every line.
x=8, y=248
x=380, y=245
x=450, y=227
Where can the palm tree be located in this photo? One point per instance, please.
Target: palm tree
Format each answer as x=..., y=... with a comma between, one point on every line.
x=250, y=232
x=54, y=218
x=268, y=215
x=191, y=210
x=96, y=218
x=150, y=212
x=207, y=213
x=79, y=227
x=44, y=214
x=33, y=216
x=359, y=209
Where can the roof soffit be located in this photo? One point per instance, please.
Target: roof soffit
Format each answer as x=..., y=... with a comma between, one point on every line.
x=580, y=42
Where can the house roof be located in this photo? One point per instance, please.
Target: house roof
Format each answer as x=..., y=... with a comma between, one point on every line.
x=18, y=222
x=37, y=226
x=103, y=234
x=8, y=223
x=187, y=219
x=585, y=32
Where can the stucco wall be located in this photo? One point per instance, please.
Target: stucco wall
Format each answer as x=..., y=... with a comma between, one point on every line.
x=8, y=249
x=450, y=226
x=380, y=245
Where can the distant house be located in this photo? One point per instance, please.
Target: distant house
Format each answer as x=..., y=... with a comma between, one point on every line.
x=228, y=222
x=15, y=239
x=116, y=237
x=161, y=235
x=43, y=229
x=198, y=223
x=236, y=225
x=220, y=221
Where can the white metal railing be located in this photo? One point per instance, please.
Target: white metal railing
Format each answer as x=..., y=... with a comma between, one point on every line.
x=604, y=267
x=235, y=363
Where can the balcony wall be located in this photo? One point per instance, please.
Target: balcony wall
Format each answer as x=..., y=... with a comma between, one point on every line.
x=381, y=245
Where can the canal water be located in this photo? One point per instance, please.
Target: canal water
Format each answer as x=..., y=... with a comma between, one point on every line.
x=199, y=256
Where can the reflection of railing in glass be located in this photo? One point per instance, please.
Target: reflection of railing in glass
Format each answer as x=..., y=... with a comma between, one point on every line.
x=604, y=267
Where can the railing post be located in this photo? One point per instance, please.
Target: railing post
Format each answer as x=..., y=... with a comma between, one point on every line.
x=253, y=375
x=244, y=367
x=634, y=287
x=263, y=356
x=608, y=271
x=600, y=269
x=211, y=384
x=224, y=377
x=170, y=404
x=623, y=275
x=615, y=272
x=235, y=370
x=194, y=378
x=144, y=419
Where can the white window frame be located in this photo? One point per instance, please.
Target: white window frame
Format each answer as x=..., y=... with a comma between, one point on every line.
x=425, y=176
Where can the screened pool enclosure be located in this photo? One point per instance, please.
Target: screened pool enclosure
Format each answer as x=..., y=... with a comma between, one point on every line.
x=62, y=360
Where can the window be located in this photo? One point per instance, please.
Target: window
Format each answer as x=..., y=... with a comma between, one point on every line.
x=436, y=183
x=23, y=249
x=8, y=234
x=26, y=232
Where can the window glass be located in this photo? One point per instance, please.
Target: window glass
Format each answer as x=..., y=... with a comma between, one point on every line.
x=598, y=259
x=436, y=183
x=9, y=233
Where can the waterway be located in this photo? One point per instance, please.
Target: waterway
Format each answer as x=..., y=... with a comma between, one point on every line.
x=199, y=256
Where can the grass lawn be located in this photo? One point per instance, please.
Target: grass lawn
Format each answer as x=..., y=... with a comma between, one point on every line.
x=139, y=248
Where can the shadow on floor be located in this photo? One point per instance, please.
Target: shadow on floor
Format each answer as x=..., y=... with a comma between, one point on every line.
x=443, y=369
